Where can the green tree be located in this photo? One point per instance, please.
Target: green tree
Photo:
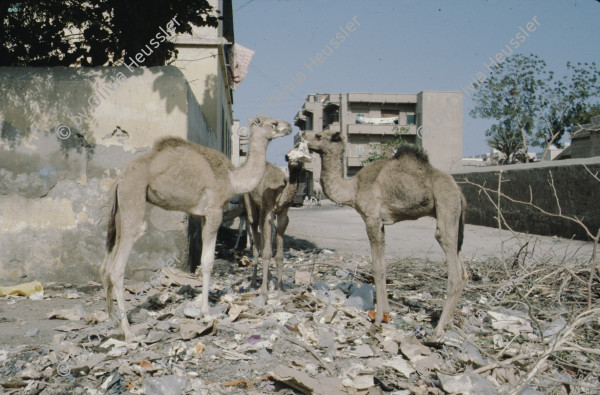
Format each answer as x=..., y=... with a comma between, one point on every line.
x=506, y=140
x=525, y=99
x=92, y=32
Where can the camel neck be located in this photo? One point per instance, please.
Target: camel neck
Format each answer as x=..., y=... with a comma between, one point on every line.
x=245, y=178
x=339, y=189
x=294, y=174
x=291, y=188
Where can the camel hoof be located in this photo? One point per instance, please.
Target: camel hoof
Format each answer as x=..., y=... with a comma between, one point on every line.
x=375, y=329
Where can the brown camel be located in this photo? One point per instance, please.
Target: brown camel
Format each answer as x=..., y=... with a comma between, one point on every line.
x=183, y=176
x=269, y=203
x=405, y=187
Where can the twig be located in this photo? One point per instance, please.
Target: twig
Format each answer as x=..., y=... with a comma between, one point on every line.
x=310, y=350
x=556, y=346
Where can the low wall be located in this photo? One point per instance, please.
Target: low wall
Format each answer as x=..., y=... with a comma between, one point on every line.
x=576, y=189
x=65, y=135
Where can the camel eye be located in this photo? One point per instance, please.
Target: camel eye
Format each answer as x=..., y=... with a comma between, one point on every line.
x=257, y=121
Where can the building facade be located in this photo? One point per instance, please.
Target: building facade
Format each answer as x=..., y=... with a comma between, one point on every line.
x=430, y=119
x=61, y=156
x=204, y=58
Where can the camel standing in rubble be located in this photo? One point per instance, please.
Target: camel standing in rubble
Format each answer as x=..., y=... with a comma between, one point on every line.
x=269, y=203
x=405, y=187
x=183, y=176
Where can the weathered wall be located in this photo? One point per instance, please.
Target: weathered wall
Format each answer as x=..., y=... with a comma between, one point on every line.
x=576, y=189
x=55, y=183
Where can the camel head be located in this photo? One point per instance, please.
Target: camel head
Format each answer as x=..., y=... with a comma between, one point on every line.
x=269, y=128
x=298, y=155
x=331, y=143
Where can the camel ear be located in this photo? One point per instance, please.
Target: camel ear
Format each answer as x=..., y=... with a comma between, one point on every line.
x=336, y=137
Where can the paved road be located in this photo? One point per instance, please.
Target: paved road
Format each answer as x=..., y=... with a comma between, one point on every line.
x=342, y=229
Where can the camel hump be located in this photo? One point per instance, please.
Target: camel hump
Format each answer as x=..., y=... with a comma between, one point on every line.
x=170, y=142
x=416, y=151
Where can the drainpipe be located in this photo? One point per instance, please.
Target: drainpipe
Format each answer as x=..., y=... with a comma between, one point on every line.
x=345, y=134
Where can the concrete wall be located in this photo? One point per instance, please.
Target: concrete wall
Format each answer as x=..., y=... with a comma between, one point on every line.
x=65, y=133
x=577, y=191
x=440, y=116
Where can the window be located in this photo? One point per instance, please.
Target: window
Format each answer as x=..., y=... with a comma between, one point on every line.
x=331, y=114
x=411, y=119
x=309, y=120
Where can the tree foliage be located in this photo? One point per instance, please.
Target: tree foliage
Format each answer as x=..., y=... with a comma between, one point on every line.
x=506, y=140
x=92, y=32
x=526, y=100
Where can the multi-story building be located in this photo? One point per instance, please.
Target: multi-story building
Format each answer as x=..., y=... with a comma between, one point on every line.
x=430, y=119
x=240, y=142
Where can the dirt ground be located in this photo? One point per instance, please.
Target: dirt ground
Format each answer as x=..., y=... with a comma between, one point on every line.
x=329, y=242
x=341, y=229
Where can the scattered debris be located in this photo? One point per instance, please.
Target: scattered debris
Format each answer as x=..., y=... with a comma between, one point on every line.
x=315, y=337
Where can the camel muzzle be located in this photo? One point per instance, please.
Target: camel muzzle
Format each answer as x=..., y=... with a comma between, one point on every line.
x=282, y=130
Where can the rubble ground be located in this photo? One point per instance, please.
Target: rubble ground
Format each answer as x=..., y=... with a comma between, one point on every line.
x=529, y=333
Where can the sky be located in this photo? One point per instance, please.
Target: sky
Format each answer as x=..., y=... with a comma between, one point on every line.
x=398, y=46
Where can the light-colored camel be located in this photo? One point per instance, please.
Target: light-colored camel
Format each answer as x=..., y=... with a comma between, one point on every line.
x=182, y=176
x=317, y=192
x=269, y=203
x=384, y=192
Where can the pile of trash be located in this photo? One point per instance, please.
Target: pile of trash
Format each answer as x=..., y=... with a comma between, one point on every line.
x=315, y=337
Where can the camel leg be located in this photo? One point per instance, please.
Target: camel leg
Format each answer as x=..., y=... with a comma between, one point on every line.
x=267, y=250
x=376, y=235
x=248, y=235
x=447, y=236
x=130, y=227
x=117, y=274
x=210, y=226
x=282, y=223
x=239, y=232
x=253, y=229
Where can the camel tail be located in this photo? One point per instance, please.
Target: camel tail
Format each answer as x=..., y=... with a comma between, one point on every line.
x=111, y=235
x=461, y=221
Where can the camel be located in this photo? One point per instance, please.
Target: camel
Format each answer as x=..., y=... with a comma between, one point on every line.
x=183, y=176
x=405, y=187
x=269, y=203
x=317, y=192
x=236, y=208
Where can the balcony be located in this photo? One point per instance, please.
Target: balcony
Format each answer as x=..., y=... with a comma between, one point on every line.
x=380, y=129
x=382, y=98
x=354, y=161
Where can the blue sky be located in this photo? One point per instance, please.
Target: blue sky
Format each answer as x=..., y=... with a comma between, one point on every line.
x=400, y=46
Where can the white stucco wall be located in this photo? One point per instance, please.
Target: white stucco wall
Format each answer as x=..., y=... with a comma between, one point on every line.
x=55, y=185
